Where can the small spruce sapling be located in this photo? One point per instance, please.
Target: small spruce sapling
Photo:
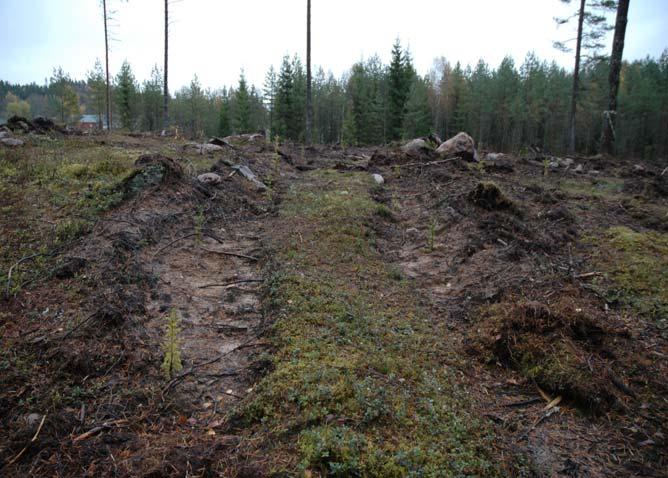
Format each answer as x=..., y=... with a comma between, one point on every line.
x=171, y=363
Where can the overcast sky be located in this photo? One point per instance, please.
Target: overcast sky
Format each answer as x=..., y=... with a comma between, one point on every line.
x=216, y=38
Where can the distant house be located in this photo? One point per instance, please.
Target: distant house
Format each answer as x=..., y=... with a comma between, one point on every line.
x=90, y=122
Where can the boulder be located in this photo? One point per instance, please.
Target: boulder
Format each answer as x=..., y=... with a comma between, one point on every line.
x=219, y=142
x=499, y=162
x=378, y=178
x=4, y=134
x=209, y=178
x=416, y=146
x=204, y=148
x=245, y=138
x=246, y=172
x=11, y=142
x=567, y=162
x=460, y=145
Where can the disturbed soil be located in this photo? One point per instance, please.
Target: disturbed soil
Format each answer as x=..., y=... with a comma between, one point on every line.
x=537, y=291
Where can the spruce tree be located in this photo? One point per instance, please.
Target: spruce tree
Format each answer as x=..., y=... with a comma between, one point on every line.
x=126, y=96
x=418, y=118
x=242, y=114
x=285, y=101
x=152, y=101
x=398, y=92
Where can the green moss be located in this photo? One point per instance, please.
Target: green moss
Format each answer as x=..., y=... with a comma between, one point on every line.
x=358, y=380
x=636, y=267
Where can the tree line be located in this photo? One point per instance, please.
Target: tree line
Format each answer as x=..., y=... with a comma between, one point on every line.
x=506, y=108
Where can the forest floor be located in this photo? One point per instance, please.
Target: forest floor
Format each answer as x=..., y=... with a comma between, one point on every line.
x=502, y=318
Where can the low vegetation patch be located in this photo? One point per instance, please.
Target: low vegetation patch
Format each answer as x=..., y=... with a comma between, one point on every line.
x=636, y=267
x=358, y=386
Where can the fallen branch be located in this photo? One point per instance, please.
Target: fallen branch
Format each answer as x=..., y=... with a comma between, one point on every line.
x=225, y=253
x=99, y=428
x=523, y=403
x=183, y=375
x=11, y=269
x=172, y=243
x=429, y=163
x=79, y=325
x=39, y=429
x=587, y=274
x=228, y=284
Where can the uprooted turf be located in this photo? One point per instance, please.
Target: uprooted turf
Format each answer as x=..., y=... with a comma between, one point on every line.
x=358, y=386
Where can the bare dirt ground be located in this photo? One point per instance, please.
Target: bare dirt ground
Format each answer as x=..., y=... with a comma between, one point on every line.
x=504, y=319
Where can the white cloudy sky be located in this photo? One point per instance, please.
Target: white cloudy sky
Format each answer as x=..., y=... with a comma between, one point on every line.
x=216, y=38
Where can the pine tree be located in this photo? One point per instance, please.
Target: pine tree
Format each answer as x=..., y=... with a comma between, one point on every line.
x=608, y=137
x=224, y=123
x=591, y=28
x=97, y=87
x=270, y=97
x=106, y=56
x=195, y=108
x=67, y=101
x=165, y=93
x=309, y=97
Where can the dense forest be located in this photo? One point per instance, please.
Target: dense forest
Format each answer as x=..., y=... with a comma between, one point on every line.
x=507, y=108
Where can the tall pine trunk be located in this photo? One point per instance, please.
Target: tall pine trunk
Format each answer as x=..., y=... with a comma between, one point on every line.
x=309, y=99
x=609, y=117
x=106, y=54
x=576, y=79
x=165, y=96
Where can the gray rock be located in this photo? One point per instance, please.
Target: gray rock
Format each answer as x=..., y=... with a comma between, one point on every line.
x=209, y=178
x=417, y=145
x=567, y=162
x=246, y=172
x=204, y=148
x=378, y=178
x=33, y=419
x=579, y=169
x=11, y=142
x=4, y=134
x=460, y=145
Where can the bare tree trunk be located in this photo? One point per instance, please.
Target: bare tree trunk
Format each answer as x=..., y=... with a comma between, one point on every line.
x=165, y=99
x=309, y=99
x=608, y=135
x=576, y=79
x=106, y=53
